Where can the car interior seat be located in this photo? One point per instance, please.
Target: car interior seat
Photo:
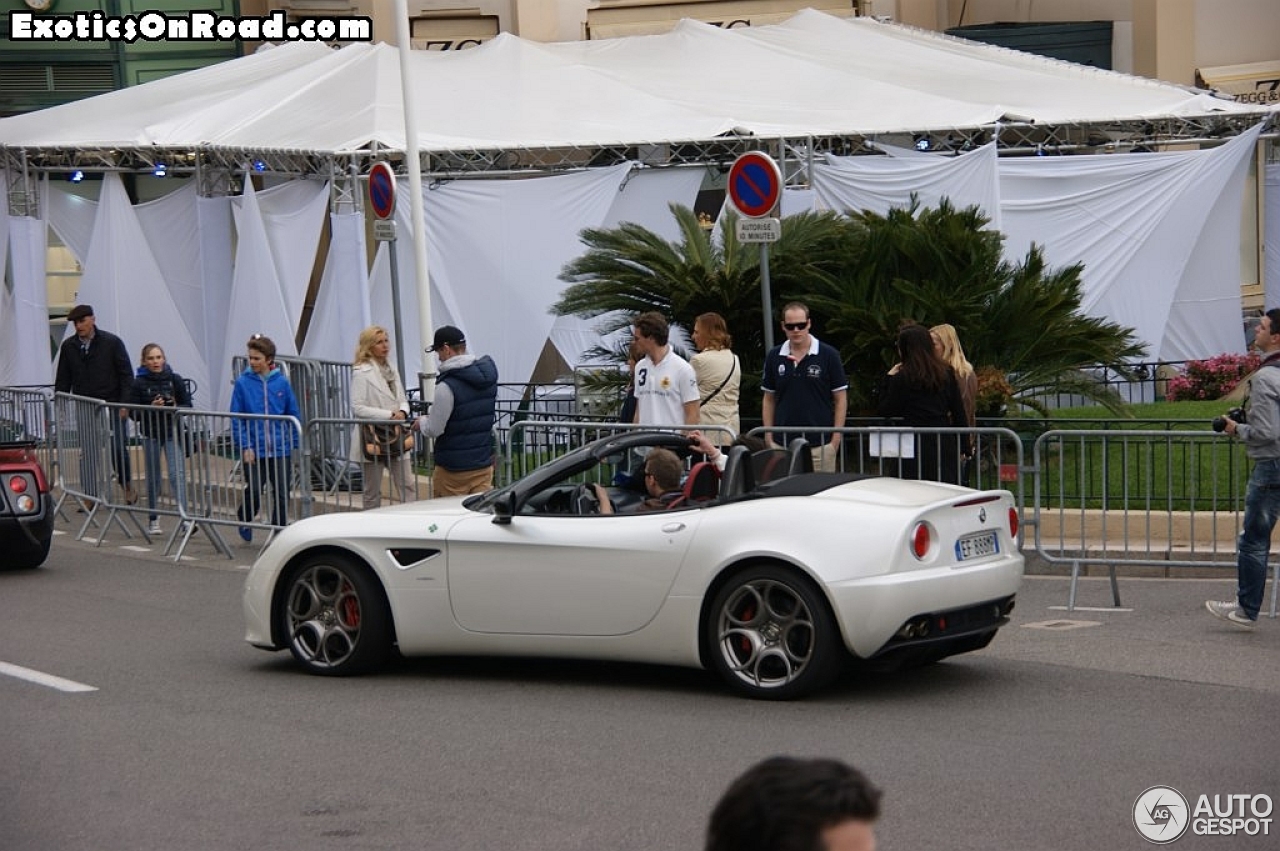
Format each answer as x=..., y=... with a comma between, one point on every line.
x=702, y=484
x=769, y=464
x=739, y=477
x=800, y=459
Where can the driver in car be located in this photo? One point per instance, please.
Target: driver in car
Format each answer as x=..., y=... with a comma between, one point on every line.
x=662, y=472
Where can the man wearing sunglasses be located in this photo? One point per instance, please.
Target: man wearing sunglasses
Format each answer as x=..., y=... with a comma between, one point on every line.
x=804, y=385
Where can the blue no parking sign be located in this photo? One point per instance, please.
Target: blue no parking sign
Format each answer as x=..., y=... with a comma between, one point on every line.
x=382, y=190
x=755, y=184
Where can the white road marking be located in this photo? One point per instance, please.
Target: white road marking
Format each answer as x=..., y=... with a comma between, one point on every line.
x=1090, y=609
x=41, y=678
x=135, y=548
x=1061, y=625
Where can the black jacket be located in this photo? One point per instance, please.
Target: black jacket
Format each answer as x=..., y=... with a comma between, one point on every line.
x=103, y=372
x=167, y=384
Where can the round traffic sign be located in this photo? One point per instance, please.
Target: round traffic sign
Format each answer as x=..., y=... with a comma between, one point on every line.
x=755, y=184
x=382, y=190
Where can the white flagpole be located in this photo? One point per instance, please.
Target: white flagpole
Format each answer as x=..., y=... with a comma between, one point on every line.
x=426, y=376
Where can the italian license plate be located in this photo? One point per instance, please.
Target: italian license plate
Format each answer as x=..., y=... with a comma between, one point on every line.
x=977, y=546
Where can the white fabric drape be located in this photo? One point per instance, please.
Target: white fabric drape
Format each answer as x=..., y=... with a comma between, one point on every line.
x=24, y=309
x=293, y=214
x=258, y=303
x=342, y=302
x=1153, y=231
x=1271, y=212
x=189, y=238
x=644, y=198
x=495, y=250
x=878, y=183
x=125, y=285
x=27, y=252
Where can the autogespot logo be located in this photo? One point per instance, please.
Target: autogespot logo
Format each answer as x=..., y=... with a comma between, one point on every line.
x=1160, y=814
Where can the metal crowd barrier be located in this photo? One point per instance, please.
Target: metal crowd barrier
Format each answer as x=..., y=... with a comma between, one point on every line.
x=339, y=481
x=1139, y=498
x=221, y=490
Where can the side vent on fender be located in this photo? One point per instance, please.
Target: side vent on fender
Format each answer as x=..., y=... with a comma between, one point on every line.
x=407, y=557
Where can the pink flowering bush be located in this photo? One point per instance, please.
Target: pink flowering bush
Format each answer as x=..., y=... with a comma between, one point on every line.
x=1212, y=378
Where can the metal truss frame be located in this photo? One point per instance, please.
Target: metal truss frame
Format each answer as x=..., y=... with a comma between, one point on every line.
x=217, y=168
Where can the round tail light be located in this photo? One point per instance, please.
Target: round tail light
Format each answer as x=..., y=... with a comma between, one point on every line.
x=18, y=484
x=921, y=537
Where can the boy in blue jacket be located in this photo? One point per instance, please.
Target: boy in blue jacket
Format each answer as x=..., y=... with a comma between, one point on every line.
x=265, y=445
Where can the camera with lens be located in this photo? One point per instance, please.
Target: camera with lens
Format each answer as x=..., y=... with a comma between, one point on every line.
x=1220, y=423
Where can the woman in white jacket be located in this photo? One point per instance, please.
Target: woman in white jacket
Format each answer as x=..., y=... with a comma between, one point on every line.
x=377, y=393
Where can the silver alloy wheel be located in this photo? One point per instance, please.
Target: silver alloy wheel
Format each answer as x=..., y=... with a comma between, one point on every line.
x=765, y=633
x=324, y=614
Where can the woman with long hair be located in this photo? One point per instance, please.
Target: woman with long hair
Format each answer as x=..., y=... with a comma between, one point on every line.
x=719, y=376
x=377, y=393
x=947, y=344
x=922, y=391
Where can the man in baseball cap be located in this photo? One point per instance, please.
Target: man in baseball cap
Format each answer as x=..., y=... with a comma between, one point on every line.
x=461, y=417
x=448, y=335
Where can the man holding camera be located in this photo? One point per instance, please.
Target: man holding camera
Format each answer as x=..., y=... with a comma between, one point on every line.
x=1261, y=437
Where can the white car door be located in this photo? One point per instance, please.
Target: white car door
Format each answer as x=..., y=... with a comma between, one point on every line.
x=561, y=575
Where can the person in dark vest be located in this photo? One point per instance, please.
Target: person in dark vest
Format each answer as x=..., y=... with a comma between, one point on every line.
x=461, y=417
x=94, y=363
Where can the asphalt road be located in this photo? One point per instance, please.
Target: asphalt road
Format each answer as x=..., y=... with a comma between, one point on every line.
x=194, y=740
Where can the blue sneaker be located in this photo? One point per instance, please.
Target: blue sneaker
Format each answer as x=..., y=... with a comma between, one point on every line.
x=246, y=534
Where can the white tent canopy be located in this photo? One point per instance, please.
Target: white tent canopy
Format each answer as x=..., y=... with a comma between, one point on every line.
x=814, y=75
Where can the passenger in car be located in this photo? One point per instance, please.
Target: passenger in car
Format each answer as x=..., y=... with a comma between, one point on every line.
x=662, y=472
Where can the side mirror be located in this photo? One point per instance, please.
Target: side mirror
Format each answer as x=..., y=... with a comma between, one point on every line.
x=504, y=508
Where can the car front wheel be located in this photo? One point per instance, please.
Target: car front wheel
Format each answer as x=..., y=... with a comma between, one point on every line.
x=771, y=635
x=335, y=616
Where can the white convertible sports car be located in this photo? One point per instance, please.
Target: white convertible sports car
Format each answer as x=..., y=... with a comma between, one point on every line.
x=775, y=585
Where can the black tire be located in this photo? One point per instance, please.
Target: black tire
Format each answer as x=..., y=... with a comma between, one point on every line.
x=32, y=556
x=334, y=616
x=771, y=635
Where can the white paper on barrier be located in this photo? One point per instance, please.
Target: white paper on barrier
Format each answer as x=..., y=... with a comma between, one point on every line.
x=892, y=444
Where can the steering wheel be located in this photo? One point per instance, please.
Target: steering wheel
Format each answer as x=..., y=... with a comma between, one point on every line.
x=585, y=500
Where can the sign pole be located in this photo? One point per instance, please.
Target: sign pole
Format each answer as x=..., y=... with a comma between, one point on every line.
x=397, y=325
x=766, y=296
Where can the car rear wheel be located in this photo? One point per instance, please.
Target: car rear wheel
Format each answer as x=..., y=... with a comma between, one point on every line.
x=771, y=635
x=31, y=556
x=335, y=617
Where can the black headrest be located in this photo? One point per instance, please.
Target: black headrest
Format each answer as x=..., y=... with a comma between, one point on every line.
x=738, y=477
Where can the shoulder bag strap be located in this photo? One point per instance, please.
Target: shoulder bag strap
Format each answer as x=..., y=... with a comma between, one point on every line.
x=714, y=393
